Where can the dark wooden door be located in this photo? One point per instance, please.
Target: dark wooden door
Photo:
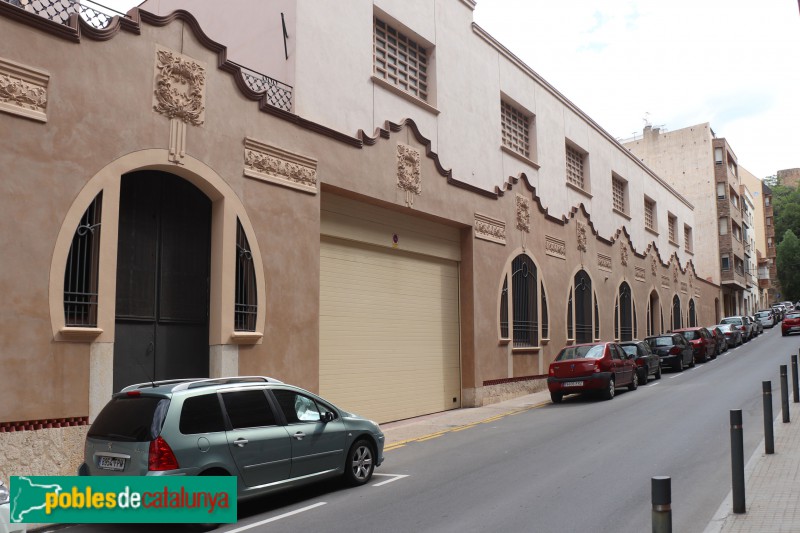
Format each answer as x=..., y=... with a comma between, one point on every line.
x=163, y=263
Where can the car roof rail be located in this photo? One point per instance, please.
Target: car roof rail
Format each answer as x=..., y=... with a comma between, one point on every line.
x=153, y=384
x=194, y=384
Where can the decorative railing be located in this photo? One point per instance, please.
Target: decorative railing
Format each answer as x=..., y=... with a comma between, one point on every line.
x=96, y=15
x=278, y=93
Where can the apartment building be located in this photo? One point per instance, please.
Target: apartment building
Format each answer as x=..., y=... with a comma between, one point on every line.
x=761, y=223
x=394, y=211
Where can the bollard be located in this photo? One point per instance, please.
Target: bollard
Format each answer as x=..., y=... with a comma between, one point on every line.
x=795, y=389
x=784, y=395
x=769, y=439
x=737, y=461
x=661, y=497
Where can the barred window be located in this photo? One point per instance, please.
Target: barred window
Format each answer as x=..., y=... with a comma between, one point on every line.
x=618, y=187
x=400, y=60
x=80, y=275
x=516, y=129
x=575, y=167
x=673, y=223
x=649, y=214
x=504, y=310
x=687, y=237
x=545, y=321
x=524, y=299
x=246, y=304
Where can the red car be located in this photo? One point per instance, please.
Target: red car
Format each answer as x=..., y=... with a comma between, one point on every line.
x=703, y=343
x=601, y=366
x=791, y=323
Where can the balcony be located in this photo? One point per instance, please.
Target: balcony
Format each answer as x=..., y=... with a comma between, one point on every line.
x=98, y=16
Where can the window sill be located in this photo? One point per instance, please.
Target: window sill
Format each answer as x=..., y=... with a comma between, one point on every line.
x=651, y=230
x=517, y=155
x=504, y=342
x=246, y=337
x=673, y=243
x=621, y=213
x=404, y=95
x=578, y=189
x=71, y=333
x=688, y=251
x=525, y=349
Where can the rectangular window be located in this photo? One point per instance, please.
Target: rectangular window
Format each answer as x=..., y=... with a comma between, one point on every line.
x=516, y=129
x=769, y=221
x=718, y=156
x=737, y=231
x=400, y=60
x=687, y=237
x=576, y=167
x=649, y=214
x=619, y=189
x=720, y=191
x=725, y=262
x=767, y=200
x=723, y=225
x=673, y=228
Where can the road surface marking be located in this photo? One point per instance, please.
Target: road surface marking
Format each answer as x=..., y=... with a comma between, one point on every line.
x=276, y=518
x=394, y=477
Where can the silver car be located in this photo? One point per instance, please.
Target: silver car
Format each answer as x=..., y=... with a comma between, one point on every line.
x=270, y=435
x=766, y=317
x=5, y=511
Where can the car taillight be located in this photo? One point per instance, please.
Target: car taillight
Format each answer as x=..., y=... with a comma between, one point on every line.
x=744, y=328
x=161, y=456
x=675, y=350
x=552, y=371
x=597, y=367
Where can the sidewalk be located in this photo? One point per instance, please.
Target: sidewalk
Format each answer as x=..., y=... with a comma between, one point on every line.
x=772, y=482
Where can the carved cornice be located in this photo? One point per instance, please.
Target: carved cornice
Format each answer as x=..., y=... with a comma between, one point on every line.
x=523, y=214
x=555, y=247
x=23, y=90
x=490, y=229
x=604, y=262
x=409, y=175
x=180, y=87
x=278, y=166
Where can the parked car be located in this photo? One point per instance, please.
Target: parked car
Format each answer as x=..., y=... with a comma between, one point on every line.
x=252, y=427
x=780, y=312
x=733, y=334
x=704, y=347
x=5, y=513
x=596, y=367
x=673, y=349
x=647, y=362
x=766, y=317
x=720, y=341
x=758, y=329
x=741, y=322
x=791, y=323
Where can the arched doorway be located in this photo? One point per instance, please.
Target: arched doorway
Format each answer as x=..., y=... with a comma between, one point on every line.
x=653, y=314
x=625, y=313
x=677, y=319
x=584, y=330
x=163, y=264
x=692, y=314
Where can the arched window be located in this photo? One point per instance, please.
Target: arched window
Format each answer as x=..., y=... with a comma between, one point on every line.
x=624, y=316
x=520, y=314
x=81, y=272
x=246, y=305
x=692, y=316
x=635, y=321
x=584, y=307
x=677, y=319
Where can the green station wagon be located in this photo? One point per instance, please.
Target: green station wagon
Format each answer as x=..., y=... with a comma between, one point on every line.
x=270, y=435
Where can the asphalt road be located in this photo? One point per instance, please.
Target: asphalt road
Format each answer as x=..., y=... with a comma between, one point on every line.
x=582, y=466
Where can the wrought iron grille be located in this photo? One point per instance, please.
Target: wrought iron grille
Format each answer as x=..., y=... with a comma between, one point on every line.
x=676, y=313
x=692, y=316
x=625, y=313
x=545, y=321
x=246, y=304
x=81, y=272
x=583, y=308
x=524, y=299
x=96, y=15
x=278, y=93
x=504, y=310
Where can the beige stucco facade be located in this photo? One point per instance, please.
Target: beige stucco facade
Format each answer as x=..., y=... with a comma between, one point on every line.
x=87, y=108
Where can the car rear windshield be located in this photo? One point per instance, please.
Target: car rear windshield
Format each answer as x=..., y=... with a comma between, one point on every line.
x=763, y=314
x=793, y=315
x=690, y=335
x=731, y=321
x=594, y=351
x=130, y=419
x=660, y=341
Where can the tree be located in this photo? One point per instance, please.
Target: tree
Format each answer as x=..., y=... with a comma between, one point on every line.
x=787, y=262
x=771, y=181
x=786, y=205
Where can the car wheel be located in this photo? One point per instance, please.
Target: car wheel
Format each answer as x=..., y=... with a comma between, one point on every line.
x=680, y=365
x=691, y=362
x=645, y=373
x=634, y=384
x=608, y=394
x=658, y=371
x=360, y=463
x=556, y=397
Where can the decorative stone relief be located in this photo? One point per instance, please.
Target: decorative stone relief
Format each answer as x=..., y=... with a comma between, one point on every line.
x=23, y=90
x=555, y=247
x=697, y=293
x=654, y=266
x=684, y=287
x=581, y=229
x=665, y=281
x=639, y=274
x=523, y=214
x=278, y=166
x=623, y=254
x=604, y=262
x=489, y=229
x=409, y=177
x=675, y=272
x=180, y=86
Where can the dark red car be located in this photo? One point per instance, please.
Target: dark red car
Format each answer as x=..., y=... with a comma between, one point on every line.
x=599, y=367
x=791, y=323
x=703, y=343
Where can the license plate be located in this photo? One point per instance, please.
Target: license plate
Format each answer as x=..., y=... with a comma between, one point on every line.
x=572, y=384
x=111, y=463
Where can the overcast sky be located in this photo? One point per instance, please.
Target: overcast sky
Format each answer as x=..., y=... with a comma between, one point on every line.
x=676, y=63
x=672, y=63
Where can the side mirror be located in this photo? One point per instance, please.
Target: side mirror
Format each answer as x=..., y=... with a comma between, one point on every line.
x=327, y=416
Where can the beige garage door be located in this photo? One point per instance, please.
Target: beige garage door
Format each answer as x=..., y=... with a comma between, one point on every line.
x=389, y=331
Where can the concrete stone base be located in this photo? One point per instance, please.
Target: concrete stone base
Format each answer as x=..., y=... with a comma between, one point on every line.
x=513, y=389
x=42, y=452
